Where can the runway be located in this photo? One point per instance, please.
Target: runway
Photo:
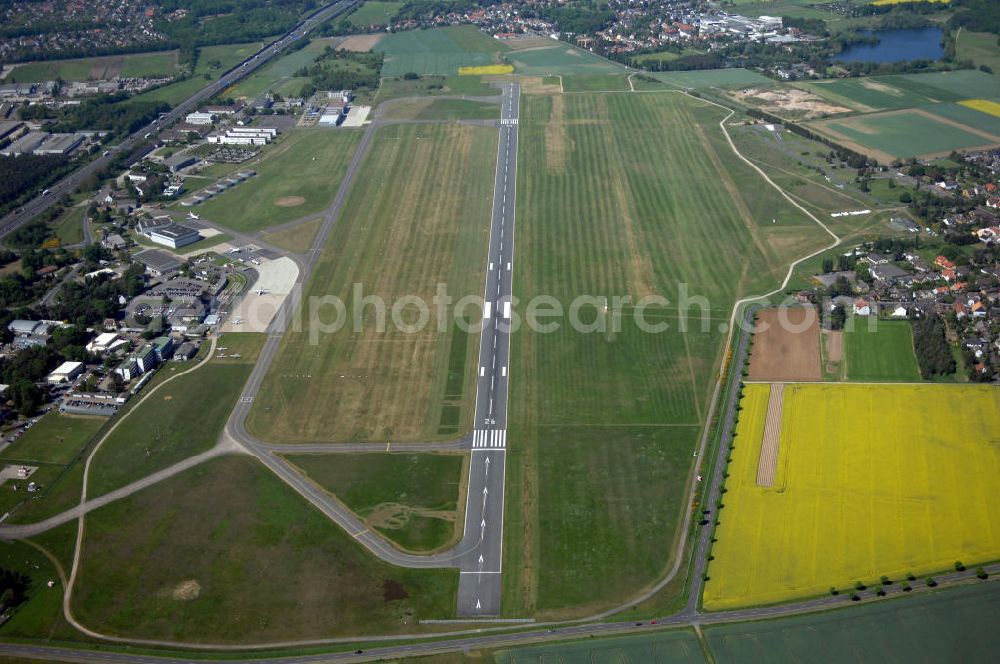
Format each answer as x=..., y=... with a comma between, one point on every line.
x=480, y=555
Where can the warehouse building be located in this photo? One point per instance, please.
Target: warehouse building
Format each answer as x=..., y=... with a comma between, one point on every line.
x=199, y=118
x=174, y=236
x=65, y=372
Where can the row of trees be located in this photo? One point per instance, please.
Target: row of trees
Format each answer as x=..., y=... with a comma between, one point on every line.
x=932, y=348
x=342, y=70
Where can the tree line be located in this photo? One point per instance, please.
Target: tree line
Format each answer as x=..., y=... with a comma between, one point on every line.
x=931, y=346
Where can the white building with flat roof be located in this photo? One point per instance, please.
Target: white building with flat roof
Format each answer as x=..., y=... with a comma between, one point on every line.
x=174, y=235
x=199, y=118
x=65, y=372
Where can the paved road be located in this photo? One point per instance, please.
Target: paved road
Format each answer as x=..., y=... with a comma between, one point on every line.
x=482, y=541
x=68, y=184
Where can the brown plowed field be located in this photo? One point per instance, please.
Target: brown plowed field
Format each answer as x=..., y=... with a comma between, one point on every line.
x=786, y=345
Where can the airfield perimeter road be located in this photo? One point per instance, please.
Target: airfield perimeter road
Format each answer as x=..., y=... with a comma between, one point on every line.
x=70, y=182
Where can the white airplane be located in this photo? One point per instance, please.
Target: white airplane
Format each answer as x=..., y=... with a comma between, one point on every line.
x=235, y=250
x=237, y=321
x=192, y=215
x=261, y=291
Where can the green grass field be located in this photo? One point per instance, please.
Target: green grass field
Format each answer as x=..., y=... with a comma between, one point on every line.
x=712, y=78
x=147, y=65
x=392, y=88
x=41, y=615
x=603, y=424
x=883, y=353
x=212, y=61
x=442, y=109
x=970, y=117
x=280, y=71
x=412, y=499
x=55, y=438
x=980, y=47
x=417, y=216
x=226, y=552
x=906, y=90
x=951, y=625
x=595, y=83
x=680, y=646
x=374, y=12
x=902, y=134
x=297, y=177
x=162, y=430
x=440, y=51
x=561, y=58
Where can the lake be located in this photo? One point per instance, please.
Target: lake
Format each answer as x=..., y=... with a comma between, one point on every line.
x=896, y=46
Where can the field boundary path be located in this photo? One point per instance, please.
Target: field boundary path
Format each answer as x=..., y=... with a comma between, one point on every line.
x=767, y=463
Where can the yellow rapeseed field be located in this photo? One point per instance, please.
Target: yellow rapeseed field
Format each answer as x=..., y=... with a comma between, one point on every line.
x=871, y=480
x=983, y=105
x=485, y=70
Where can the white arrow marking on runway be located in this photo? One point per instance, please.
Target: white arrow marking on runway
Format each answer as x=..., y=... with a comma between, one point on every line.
x=487, y=471
x=480, y=570
x=478, y=605
x=482, y=530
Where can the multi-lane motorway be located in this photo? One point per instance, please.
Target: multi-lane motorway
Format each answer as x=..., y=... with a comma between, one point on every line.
x=68, y=184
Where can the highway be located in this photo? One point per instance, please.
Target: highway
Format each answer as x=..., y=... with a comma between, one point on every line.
x=480, y=559
x=68, y=184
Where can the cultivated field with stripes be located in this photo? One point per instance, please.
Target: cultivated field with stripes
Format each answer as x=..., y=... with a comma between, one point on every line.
x=623, y=194
x=417, y=216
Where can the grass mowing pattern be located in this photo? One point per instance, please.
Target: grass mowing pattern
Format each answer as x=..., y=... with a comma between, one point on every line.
x=440, y=51
x=952, y=625
x=183, y=418
x=883, y=353
x=904, y=134
x=268, y=567
x=871, y=480
x=417, y=216
x=374, y=12
x=622, y=194
x=595, y=83
x=55, y=438
x=309, y=163
x=443, y=110
x=969, y=115
x=560, y=59
x=712, y=78
x=411, y=499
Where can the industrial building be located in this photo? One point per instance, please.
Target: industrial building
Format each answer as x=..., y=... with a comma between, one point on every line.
x=244, y=136
x=158, y=263
x=65, y=372
x=174, y=235
x=60, y=144
x=180, y=161
x=199, y=118
x=106, y=342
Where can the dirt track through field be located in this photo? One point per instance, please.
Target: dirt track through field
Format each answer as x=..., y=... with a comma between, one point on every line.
x=768, y=461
